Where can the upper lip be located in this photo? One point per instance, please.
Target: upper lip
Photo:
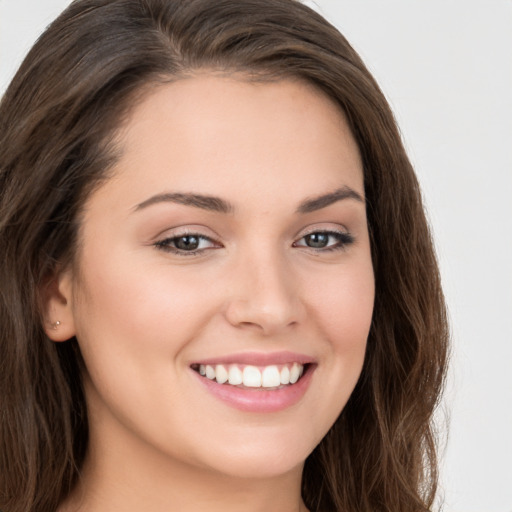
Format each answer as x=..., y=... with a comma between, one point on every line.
x=258, y=358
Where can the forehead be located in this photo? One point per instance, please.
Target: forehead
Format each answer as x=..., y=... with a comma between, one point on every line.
x=214, y=134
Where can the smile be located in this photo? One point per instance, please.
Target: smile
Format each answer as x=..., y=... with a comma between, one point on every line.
x=249, y=376
x=268, y=388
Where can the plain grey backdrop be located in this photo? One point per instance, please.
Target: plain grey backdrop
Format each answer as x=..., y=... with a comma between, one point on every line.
x=446, y=68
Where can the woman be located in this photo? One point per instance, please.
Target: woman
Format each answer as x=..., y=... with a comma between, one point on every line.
x=218, y=284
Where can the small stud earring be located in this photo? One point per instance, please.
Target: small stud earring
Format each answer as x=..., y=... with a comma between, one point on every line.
x=56, y=324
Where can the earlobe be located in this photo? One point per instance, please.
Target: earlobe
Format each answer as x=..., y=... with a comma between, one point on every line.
x=57, y=294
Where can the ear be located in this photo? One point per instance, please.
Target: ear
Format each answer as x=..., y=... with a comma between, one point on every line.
x=57, y=295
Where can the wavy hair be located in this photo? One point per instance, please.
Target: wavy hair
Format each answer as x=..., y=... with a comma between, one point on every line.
x=58, y=120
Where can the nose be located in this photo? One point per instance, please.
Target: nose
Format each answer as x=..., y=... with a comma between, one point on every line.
x=264, y=296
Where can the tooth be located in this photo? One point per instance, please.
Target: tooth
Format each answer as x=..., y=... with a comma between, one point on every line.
x=210, y=372
x=285, y=375
x=235, y=375
x=295, y=373
x=221, y=374
x=252, y=377
x=202, y=369
x=271, y=377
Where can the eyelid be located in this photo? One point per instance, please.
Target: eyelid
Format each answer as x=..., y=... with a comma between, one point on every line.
x=345, y=238
x=324, y=229
x=184, y=230
x=164, y=242
x=181, y=235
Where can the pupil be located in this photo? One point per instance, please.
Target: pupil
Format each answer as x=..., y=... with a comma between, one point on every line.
x=317, y=240
x=187, y=243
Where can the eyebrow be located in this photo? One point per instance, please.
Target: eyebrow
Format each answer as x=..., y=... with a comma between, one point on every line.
x=210, y=203
x=216, y=204
x=317, y=203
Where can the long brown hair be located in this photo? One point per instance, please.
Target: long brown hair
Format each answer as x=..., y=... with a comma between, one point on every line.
x=58, y=120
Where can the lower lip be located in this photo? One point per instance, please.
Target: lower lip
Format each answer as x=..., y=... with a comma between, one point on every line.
x=259, y=399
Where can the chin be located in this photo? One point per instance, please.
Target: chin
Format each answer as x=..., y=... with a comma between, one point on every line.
x=261, y=460
x=261, y=468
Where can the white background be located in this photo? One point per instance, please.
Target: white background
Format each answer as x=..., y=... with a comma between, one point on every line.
x=446, y=68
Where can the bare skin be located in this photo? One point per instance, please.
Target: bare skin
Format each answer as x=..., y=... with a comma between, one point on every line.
x=163, y=282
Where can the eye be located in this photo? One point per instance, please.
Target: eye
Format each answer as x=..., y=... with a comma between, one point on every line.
x=186, y=244
x=325, y=240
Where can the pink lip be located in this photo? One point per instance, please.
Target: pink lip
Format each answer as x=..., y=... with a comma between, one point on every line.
x=259, y=400
x=259, y=358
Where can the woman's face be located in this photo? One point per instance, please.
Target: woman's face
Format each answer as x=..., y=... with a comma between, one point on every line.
x=232, y=241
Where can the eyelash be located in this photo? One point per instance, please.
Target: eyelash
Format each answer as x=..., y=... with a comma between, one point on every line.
x=343, y=238
x=165, y=245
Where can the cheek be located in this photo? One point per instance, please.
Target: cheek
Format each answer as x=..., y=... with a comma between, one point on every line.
x=133, y=323
x=344, y=306
x=343, y=309
x=138, y=306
